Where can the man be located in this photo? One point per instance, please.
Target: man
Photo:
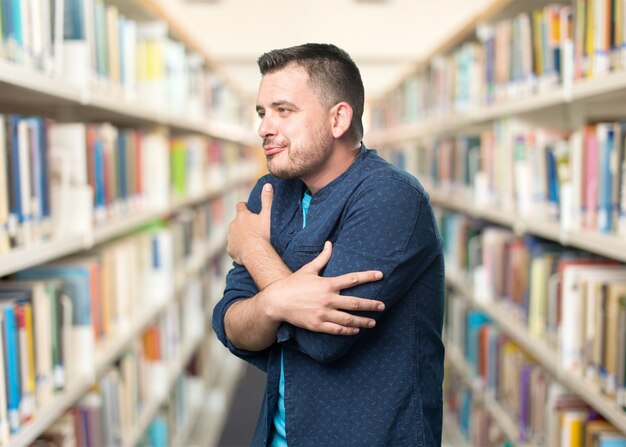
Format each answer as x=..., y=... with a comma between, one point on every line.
x=337, y=286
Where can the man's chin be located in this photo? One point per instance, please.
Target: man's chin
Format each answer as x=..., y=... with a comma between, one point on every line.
x=276, y=171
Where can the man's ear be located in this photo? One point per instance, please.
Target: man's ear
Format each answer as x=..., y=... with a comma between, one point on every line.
x=341, y=118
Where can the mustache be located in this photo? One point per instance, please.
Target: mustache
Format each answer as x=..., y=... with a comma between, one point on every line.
x=271, y=142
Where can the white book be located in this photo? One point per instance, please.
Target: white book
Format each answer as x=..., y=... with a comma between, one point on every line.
x=572, y=217
x=601, y=59
x=71, y=138
x=71, y=196
x=130, y=58
x=25, y=181
x=574, y=305
x=156, y=170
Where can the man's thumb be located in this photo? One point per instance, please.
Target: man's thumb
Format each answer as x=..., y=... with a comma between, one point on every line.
x=267, y=194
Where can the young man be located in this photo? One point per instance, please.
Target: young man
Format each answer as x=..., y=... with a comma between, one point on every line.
x=337, y=287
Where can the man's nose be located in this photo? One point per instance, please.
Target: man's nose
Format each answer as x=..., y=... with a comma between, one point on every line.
x=267, y=127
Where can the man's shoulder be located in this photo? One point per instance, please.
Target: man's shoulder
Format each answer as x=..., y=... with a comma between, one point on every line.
x=386, y=177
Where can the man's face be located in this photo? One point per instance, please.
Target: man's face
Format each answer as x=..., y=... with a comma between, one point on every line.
x=295, y=126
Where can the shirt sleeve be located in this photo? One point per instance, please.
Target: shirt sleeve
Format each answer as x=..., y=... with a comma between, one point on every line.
x=388, y=226
x=240, y=285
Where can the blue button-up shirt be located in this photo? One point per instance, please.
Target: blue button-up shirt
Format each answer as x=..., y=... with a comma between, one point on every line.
x=381, y=387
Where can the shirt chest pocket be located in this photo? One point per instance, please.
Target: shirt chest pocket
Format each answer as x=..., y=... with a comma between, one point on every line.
x=303, y=254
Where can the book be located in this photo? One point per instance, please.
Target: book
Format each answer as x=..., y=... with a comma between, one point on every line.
x=4, y=189
x=75, y=47
x=23, y=314
x=44, y=299
x=575, y=328
x=76, y=280
x=12, y=366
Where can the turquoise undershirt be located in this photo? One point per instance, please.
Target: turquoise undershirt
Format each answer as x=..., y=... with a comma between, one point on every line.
x=280, y=433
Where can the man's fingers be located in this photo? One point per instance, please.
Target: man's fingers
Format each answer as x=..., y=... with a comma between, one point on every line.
x=355, y=278
x=321, y=260
x=348, y=320
x=267, y=194
x=336, y=329
x=355, y=303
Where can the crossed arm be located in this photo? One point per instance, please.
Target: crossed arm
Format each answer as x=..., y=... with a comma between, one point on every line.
x=302, y=298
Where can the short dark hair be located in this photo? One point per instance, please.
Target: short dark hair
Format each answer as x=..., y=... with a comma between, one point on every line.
x=332, y=73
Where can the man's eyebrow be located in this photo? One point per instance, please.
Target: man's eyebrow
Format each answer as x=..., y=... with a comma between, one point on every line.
x=282, y=103
x=277, y=104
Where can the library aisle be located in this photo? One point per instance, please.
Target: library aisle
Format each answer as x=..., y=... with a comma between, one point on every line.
x=125, y=145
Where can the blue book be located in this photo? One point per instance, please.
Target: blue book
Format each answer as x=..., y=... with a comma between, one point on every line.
x=75, y=279
x=44, y=178
x=100, y=196
x=157, y=432
x=605, y=177
x=73, y=20
x=475, y=320
x=553, y=182
x=14, y=155
x=16, y=28
x=611, y=441
x=12, y=365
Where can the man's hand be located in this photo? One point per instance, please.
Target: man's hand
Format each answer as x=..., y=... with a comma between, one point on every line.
x=313, y=302
x=248, y=229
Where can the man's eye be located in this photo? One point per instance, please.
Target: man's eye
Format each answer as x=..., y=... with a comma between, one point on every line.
x=283, y=110
x=261, y=115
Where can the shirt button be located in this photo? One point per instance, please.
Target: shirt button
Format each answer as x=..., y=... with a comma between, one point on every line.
x=289, y=230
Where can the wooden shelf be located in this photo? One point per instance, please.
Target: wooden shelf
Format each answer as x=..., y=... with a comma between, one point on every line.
x=25, y=91
x=45, y=251
x=151, y=409
x=498, y=413
x=540, y=351
x=108, y=351
x=611, y=246
x=227, y=375
x=40, y=252
x=106, y=354
x=609, y=88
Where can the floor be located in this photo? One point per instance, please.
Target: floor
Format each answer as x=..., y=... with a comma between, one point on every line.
x=244, y=411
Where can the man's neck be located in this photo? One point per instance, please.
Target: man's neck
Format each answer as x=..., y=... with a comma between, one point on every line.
x=337, y=164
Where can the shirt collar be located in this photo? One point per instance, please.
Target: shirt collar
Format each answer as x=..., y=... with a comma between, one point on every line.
x=328, y=189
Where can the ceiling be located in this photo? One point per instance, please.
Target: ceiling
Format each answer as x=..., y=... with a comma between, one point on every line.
x=384, y=37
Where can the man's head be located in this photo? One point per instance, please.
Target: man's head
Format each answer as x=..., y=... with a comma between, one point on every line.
x=332, y=74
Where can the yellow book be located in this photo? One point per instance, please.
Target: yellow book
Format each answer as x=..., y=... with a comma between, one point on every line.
x=576, y=433
x=30, y=345
x=537, y=42
x=142, y=60
x=589, y=38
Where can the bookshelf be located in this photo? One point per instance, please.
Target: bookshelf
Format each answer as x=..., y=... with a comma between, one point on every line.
x=175, y=142
x=504, y=422
x=513, y=126
x=537, y=349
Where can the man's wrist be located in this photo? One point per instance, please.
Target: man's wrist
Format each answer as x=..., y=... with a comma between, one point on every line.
x=256, y=247
x=268, y=305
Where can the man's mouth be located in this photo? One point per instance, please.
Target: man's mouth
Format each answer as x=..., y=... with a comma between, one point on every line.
x=271, y=150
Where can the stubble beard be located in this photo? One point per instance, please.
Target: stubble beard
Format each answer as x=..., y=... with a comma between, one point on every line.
x=302, y=160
